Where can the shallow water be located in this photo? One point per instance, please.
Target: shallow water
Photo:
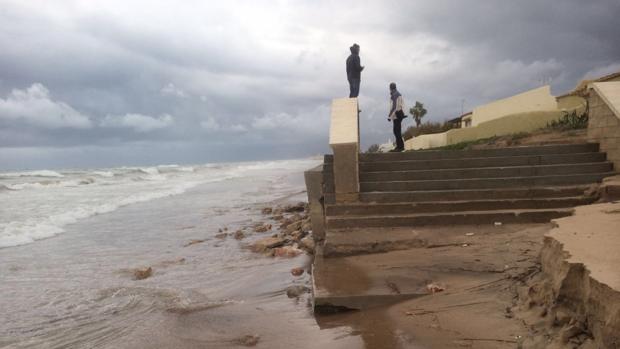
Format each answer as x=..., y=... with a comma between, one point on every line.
x=74, y=287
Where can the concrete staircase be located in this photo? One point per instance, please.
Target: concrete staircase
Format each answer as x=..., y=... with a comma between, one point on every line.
x=510, y=185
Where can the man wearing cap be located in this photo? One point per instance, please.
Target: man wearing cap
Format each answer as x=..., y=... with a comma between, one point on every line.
x=397, y=115
x=354, y=70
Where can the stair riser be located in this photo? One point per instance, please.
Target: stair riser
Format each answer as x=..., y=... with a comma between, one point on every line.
x=488, y=183
x=448, y=219
x=487, y=172
x=455, y=195
x=461, y=154
x=480, y=162
x=344, y=210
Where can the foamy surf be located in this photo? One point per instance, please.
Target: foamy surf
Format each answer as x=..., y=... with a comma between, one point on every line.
x=40, y=204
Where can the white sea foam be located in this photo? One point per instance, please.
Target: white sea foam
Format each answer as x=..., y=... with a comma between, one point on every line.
x=22, y=232
x=42, y=208
x=41, y=173
x=47, y=184
x=107, y=174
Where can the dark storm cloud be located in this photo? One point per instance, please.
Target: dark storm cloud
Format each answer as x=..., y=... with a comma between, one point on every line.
x=204, y=81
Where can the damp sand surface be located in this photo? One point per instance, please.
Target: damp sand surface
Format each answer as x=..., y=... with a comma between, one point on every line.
x=465, y=282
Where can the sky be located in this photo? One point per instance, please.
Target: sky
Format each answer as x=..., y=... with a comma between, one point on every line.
x=109, y=83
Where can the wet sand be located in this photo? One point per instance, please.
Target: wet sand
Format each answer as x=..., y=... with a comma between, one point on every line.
x=480, y=275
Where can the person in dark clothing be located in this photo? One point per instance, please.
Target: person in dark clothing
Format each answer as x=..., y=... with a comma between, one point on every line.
x=397, y=115
x=354, y=70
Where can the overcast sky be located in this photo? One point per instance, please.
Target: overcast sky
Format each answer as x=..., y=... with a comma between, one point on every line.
x=103, y=83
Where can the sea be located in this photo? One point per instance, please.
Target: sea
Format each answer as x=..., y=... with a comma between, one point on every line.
x=71, y=240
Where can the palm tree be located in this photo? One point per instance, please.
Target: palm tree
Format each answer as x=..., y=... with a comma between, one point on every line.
x=418, y=113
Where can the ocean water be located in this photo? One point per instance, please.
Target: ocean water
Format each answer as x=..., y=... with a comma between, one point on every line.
x=70, y=240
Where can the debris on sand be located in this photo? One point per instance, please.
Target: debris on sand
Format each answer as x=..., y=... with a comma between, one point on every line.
x=248, y=340
x=221, y=235
x=194, y=241
x=265, y=244
x=434, y=288
x=295, y=231
x=142, y=273
x=296, y=291
x=261, y=228
x=168, y=263
x=297, y=271
x=298, y=207
x=287, y=251
x=239, y=235
x=307, y=244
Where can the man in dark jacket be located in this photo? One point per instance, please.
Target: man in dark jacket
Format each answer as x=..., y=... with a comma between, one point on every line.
x=354, y=70
x=397, y=115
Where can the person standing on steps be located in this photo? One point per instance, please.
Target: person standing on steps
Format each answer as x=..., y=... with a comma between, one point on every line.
x=397, y=115
x=354, y=70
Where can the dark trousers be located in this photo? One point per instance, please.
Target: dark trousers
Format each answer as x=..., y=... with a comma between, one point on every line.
x=354, y=88
x=397, y=133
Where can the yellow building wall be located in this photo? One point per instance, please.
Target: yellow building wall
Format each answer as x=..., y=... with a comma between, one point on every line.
x=538, y=99
x=570, y=103
x=515, y=123
x=508, y=124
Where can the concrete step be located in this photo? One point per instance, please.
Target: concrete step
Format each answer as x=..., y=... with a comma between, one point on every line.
x=525, y=160
x=448, y=218
x=478, y=153
x=484, y=183
x=468, y=194
x=363, y=209
x=487, y=172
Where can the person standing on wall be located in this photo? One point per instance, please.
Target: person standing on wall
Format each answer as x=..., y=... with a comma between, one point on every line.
x=354, y=70
x=397, y=115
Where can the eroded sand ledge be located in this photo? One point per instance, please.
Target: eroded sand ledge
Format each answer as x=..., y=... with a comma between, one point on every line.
x=580, y=284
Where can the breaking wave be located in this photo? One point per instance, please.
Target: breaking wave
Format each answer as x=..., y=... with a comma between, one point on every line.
x=41, y=173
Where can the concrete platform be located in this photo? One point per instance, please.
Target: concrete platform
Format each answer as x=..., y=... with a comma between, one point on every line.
x=448, y=218
x=485, y=183
x=487, y=172
x=471, y=194
x=525, y=160
x=476, y=153
x=375, y=209
x=443, y=255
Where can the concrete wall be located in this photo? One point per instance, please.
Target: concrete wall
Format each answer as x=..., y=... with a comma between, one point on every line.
x=344, y=141
x=505, y=125
x=314, y=187
x=604, y=119
x=539, y=99
x=571, y=103
x=510, y=124
x=427, y=141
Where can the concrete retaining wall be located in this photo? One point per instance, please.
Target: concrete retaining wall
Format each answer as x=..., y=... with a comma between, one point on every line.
x=539, y=99
x=510, y=124
x=604, y=120
x=433, y=140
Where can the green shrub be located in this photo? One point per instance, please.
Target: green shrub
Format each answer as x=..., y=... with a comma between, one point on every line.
x=373, y=148
x=570, y=121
